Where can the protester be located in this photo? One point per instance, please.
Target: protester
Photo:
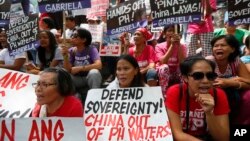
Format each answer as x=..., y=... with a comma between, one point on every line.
x=2, y=39
x=196, y=101
x=83, y=62
x=48, y=23
x=232, y=30
x=7, y=61
x=226, y=51
x=128, y=73
x=144, y=54
x=170, y=54
x=48, y=53
x=54, y=91
x=246, y=53
x=202, y=31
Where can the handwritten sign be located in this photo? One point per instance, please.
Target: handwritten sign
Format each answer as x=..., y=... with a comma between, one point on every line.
x=168, y=12
x=46, y=129
x=239, y=12
x=22, y=34
x=5, y=12
x=17, y=96
x=127, y=16
x=62, y=5
x=126, y=114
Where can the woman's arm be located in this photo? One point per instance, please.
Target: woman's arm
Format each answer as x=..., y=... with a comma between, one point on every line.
x=218, y=126
x=244, y=73
x=175, y=124
x=18, y=63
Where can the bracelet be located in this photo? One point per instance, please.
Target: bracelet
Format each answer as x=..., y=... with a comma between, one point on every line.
x=240, y=85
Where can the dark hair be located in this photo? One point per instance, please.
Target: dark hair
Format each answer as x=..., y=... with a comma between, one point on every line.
x=70, y=18
x=49, y=21
x=63, y=80
x=232, y=42
x=41, y=51
x=162, y=38
x=137, y=81
x=84, y=34
x=247, y=42
x=187, y=64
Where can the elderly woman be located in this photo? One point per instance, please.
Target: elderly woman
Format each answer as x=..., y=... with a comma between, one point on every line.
x=230, y=70
x=7, y=61
x=144, y=54
x=54, y=91
x=128, y=73
x=195, y=109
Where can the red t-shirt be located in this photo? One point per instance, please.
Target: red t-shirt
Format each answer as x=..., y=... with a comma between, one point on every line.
x=196, y=114
x=147, y=56
x=71, y=107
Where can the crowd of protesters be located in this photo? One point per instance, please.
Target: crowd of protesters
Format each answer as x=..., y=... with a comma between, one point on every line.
x=216, y=79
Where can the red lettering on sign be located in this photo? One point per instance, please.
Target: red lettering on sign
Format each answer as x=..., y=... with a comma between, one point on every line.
x=47, y=131
x=5, y=132
x=16, y=80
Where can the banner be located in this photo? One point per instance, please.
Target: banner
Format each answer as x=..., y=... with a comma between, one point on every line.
x=129, y=114
x=46, y=129
x=17, y=96
x=22, y=34
x=128, y=16
x=168, y=12
x=5, y=12
x=239, y=12
x=62, y=5
x=98, y=8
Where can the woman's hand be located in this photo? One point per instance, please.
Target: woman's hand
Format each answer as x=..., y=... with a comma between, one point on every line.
x=206, y=101
x=64, y=50
x=221, y=82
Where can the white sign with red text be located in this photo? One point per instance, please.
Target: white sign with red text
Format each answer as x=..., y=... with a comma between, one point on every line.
x=17, y=96
x=46, y=129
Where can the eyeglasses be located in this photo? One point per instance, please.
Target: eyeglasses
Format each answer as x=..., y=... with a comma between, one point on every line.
x=211, y=76
x=42, y=85
x=74, y=35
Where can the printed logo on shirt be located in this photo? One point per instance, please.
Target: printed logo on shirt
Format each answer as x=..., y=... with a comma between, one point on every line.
x=196, y=119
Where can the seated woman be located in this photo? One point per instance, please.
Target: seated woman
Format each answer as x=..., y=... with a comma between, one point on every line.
x=169, y=55
x=226, y=51
x=7, y=61
x=195, y=108
x=127, y=73
x=48, y=53
x=54, y=91
x=144, y=54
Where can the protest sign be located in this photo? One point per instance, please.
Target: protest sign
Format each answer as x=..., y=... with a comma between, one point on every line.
x=127, y=16
x=17, y=96
x=110, y=45
x=46, y=129
x=167, y=12
x=62, y=5
x=95, y=30
x=16, y=11
x=126, y=114
x=22, y=34
x=239, y=12
x=5, y=12
x=98, y=8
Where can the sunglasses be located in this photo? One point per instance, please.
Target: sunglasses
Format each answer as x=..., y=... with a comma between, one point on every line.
x=211, y=76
